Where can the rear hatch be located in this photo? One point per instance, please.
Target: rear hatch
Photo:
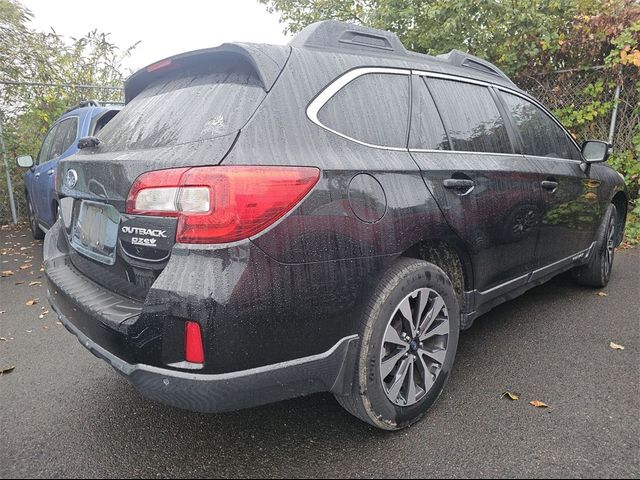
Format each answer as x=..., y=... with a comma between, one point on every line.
x=181, y=112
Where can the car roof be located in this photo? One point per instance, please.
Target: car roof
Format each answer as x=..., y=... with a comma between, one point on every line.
x=91, y=110
x=347, y=38
x=326, y=37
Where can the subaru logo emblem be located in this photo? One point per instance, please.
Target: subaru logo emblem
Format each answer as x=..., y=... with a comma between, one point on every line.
x=71, y=178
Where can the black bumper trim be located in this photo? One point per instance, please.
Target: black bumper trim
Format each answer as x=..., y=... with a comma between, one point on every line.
x=330, y=371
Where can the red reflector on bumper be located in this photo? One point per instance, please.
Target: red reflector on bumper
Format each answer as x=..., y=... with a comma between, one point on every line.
x=193, y=348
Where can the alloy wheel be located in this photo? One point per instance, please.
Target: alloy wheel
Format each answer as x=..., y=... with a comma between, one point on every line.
x=610, y=247
x=414, y=347
x=32, y=218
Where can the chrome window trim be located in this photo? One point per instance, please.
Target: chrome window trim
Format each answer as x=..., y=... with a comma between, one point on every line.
x=342, y=81
x=512, y=91
x=464, y=152
x=338, y=84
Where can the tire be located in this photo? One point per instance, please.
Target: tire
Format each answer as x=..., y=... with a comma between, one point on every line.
x=37, y=233
x=597, y=272
x=373, y=398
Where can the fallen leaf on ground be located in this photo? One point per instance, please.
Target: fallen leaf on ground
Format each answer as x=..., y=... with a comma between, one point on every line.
x=31, y=302
x=538, y=404
x=34, y=284
x=4, y=370
x=58, y=323
x=510, y=396
x=20, y=282
x=7, y=273
x=602, y=294
x=2, y=339
x=616, y=346
x=25, y=267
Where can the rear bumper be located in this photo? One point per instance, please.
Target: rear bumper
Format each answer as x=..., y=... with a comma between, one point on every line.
x=331, y=371
x=123, y=333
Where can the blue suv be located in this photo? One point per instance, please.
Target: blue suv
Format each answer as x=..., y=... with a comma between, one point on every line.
x=83, y=120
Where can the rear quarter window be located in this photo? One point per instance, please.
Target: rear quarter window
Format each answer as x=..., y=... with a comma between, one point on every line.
x=470, y=116
x=373, y=108
x=185, y=107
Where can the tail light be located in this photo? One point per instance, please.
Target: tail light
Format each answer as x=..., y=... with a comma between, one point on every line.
x=221, y=204
x=193, y=348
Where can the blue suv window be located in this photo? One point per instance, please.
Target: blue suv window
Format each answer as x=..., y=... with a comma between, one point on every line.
x=64, y=136
x=43, y=155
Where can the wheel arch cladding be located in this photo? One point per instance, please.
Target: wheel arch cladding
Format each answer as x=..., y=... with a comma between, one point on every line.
x=452, y=259
x=621, y=203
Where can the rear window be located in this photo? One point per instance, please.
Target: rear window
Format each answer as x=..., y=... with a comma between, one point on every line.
x=185, y=107
x=373, y=109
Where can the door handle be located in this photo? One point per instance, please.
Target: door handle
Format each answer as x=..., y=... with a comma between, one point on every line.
x=37, y=174
x=549, y=185
x=458, y=184
x=50, y=172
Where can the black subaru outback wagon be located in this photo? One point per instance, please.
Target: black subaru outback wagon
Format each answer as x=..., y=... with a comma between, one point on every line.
x=263, y=222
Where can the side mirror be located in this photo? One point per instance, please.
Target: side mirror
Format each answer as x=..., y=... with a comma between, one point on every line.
x=25, y=161
x=595, y=151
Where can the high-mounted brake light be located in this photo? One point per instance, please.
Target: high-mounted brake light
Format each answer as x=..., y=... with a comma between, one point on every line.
x=221, y=204
x=165, y=64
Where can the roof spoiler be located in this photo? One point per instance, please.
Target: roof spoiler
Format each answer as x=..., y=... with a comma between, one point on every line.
x=266, y=60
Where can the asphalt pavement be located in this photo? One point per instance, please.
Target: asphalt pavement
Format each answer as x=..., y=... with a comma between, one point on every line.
x=64, y=413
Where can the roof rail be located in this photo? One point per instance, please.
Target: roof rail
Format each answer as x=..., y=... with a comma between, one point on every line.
x=94, y=103
x=331, y=34
x=461, y=59
x=82, y=104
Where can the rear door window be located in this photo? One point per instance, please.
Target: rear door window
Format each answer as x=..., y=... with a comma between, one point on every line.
x=427, y=130
x=64, y=137
x=541, y=136
x=186, y=106
x=373, y=108
x=470, y=116
x=43, y=155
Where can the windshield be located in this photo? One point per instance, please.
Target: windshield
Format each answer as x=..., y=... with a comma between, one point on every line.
x=184, y=107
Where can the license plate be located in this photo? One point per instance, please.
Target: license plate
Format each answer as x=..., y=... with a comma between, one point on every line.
x=95, y=233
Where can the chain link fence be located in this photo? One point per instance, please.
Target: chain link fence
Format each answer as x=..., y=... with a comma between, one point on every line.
x=585, y=100
x=586, y=97
x=24, y=94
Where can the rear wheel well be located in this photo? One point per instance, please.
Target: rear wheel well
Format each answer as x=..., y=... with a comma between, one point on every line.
x=449, y=259
x=621, y=203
